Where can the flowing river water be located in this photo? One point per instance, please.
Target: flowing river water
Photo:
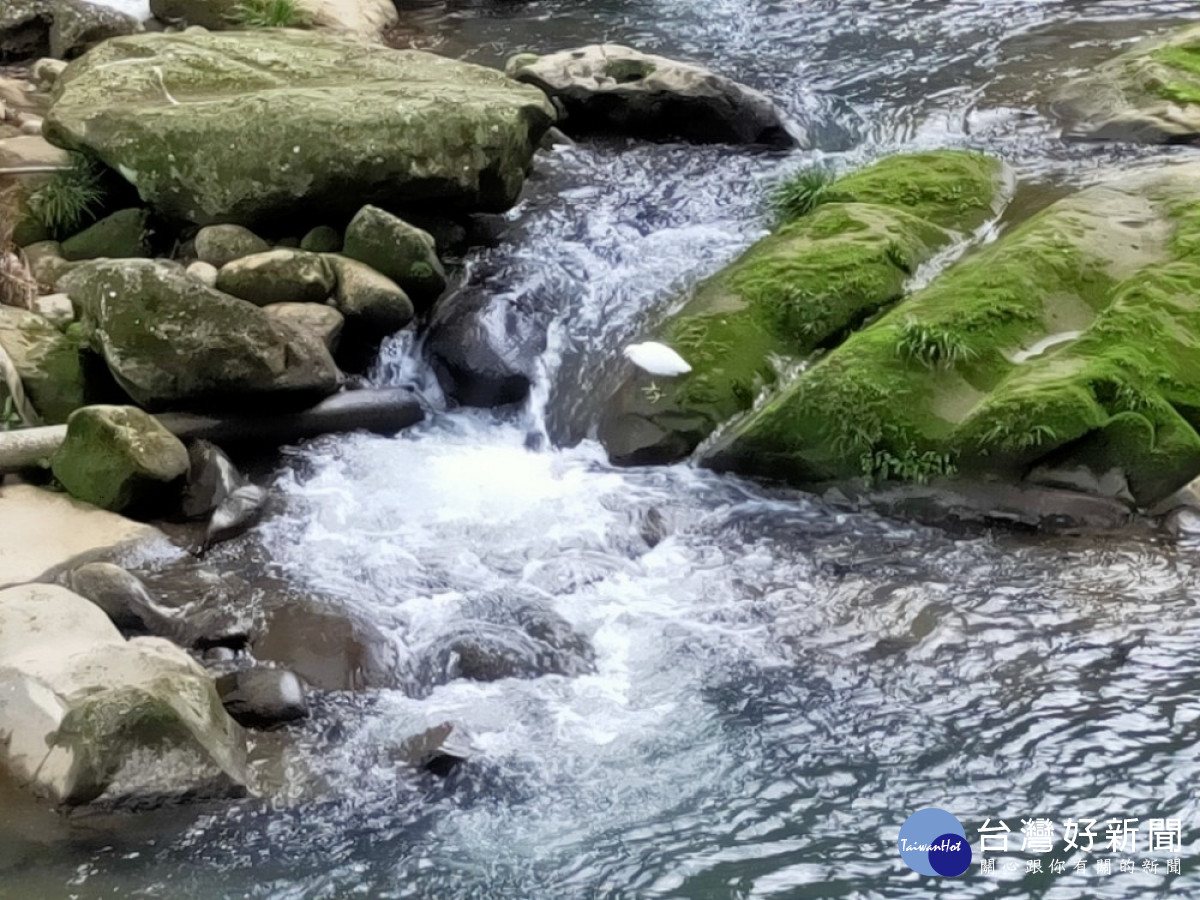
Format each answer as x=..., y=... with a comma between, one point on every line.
x=776, y=684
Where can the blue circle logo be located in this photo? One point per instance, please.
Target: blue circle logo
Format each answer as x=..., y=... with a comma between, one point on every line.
x=933, y=842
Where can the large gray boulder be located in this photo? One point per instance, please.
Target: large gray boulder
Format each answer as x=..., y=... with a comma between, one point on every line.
x=170, y=340
x=609, y=88
x=77, y=699
x=273, y=124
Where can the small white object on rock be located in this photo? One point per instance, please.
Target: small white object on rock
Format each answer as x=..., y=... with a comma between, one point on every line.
x=657, y=359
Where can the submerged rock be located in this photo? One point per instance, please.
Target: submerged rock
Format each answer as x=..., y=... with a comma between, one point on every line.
x=125, y=601
x=608, y=88
x=119, y=458
x=76, y=698
x=278, y=124
x=329, y=649
x=1067, y=344
x=487, y=651
x=168, y=339
x=799, y=290
x=1150, y=95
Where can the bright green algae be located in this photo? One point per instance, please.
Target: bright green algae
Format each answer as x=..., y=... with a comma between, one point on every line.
x=950, y=380
x=801, y=289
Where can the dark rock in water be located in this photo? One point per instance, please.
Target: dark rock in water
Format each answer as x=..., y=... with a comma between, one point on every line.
x=484, y=346
x=237, y=512
x=653, y=527
x=1048, y=509
x=330, y=650
x=483, y=651
x=262, y=697
x=608, y=88
x=126, y=601
x=212, y=477
x=215, y=486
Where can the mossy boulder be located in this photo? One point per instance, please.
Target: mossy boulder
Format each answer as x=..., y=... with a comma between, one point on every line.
x=278, y=276
x=170, y=340
x=1068, y=345
x=49, y=363
x=1149, y=95
x=279, y=125
x=404, y=253
x=119, y=458
x=368, y=299
x=798, y=290
x=122, y=235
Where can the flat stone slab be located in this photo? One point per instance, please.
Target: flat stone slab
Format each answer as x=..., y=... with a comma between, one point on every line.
x=45, y=531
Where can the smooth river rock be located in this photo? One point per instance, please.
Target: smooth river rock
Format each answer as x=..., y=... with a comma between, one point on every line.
x=613, y=89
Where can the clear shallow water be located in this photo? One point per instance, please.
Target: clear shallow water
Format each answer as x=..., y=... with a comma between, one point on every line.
x=777, y=683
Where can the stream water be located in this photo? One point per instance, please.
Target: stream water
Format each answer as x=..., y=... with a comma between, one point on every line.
x=776, y=684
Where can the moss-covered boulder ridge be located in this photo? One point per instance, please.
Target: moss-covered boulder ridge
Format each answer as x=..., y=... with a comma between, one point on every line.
x=251, y=127
x=798, y=290
x=1065, y=350
x=1149, y=95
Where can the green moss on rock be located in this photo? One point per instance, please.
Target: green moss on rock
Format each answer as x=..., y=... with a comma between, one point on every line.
x=119, y=458
x=276, y=124
x=801, y=289
x=1072, y=343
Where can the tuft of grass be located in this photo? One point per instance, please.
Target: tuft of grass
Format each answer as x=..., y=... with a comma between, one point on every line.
x=70, y=199
x=910, y=466
x=800, y=194
x=933, y=346
x=270, y=14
